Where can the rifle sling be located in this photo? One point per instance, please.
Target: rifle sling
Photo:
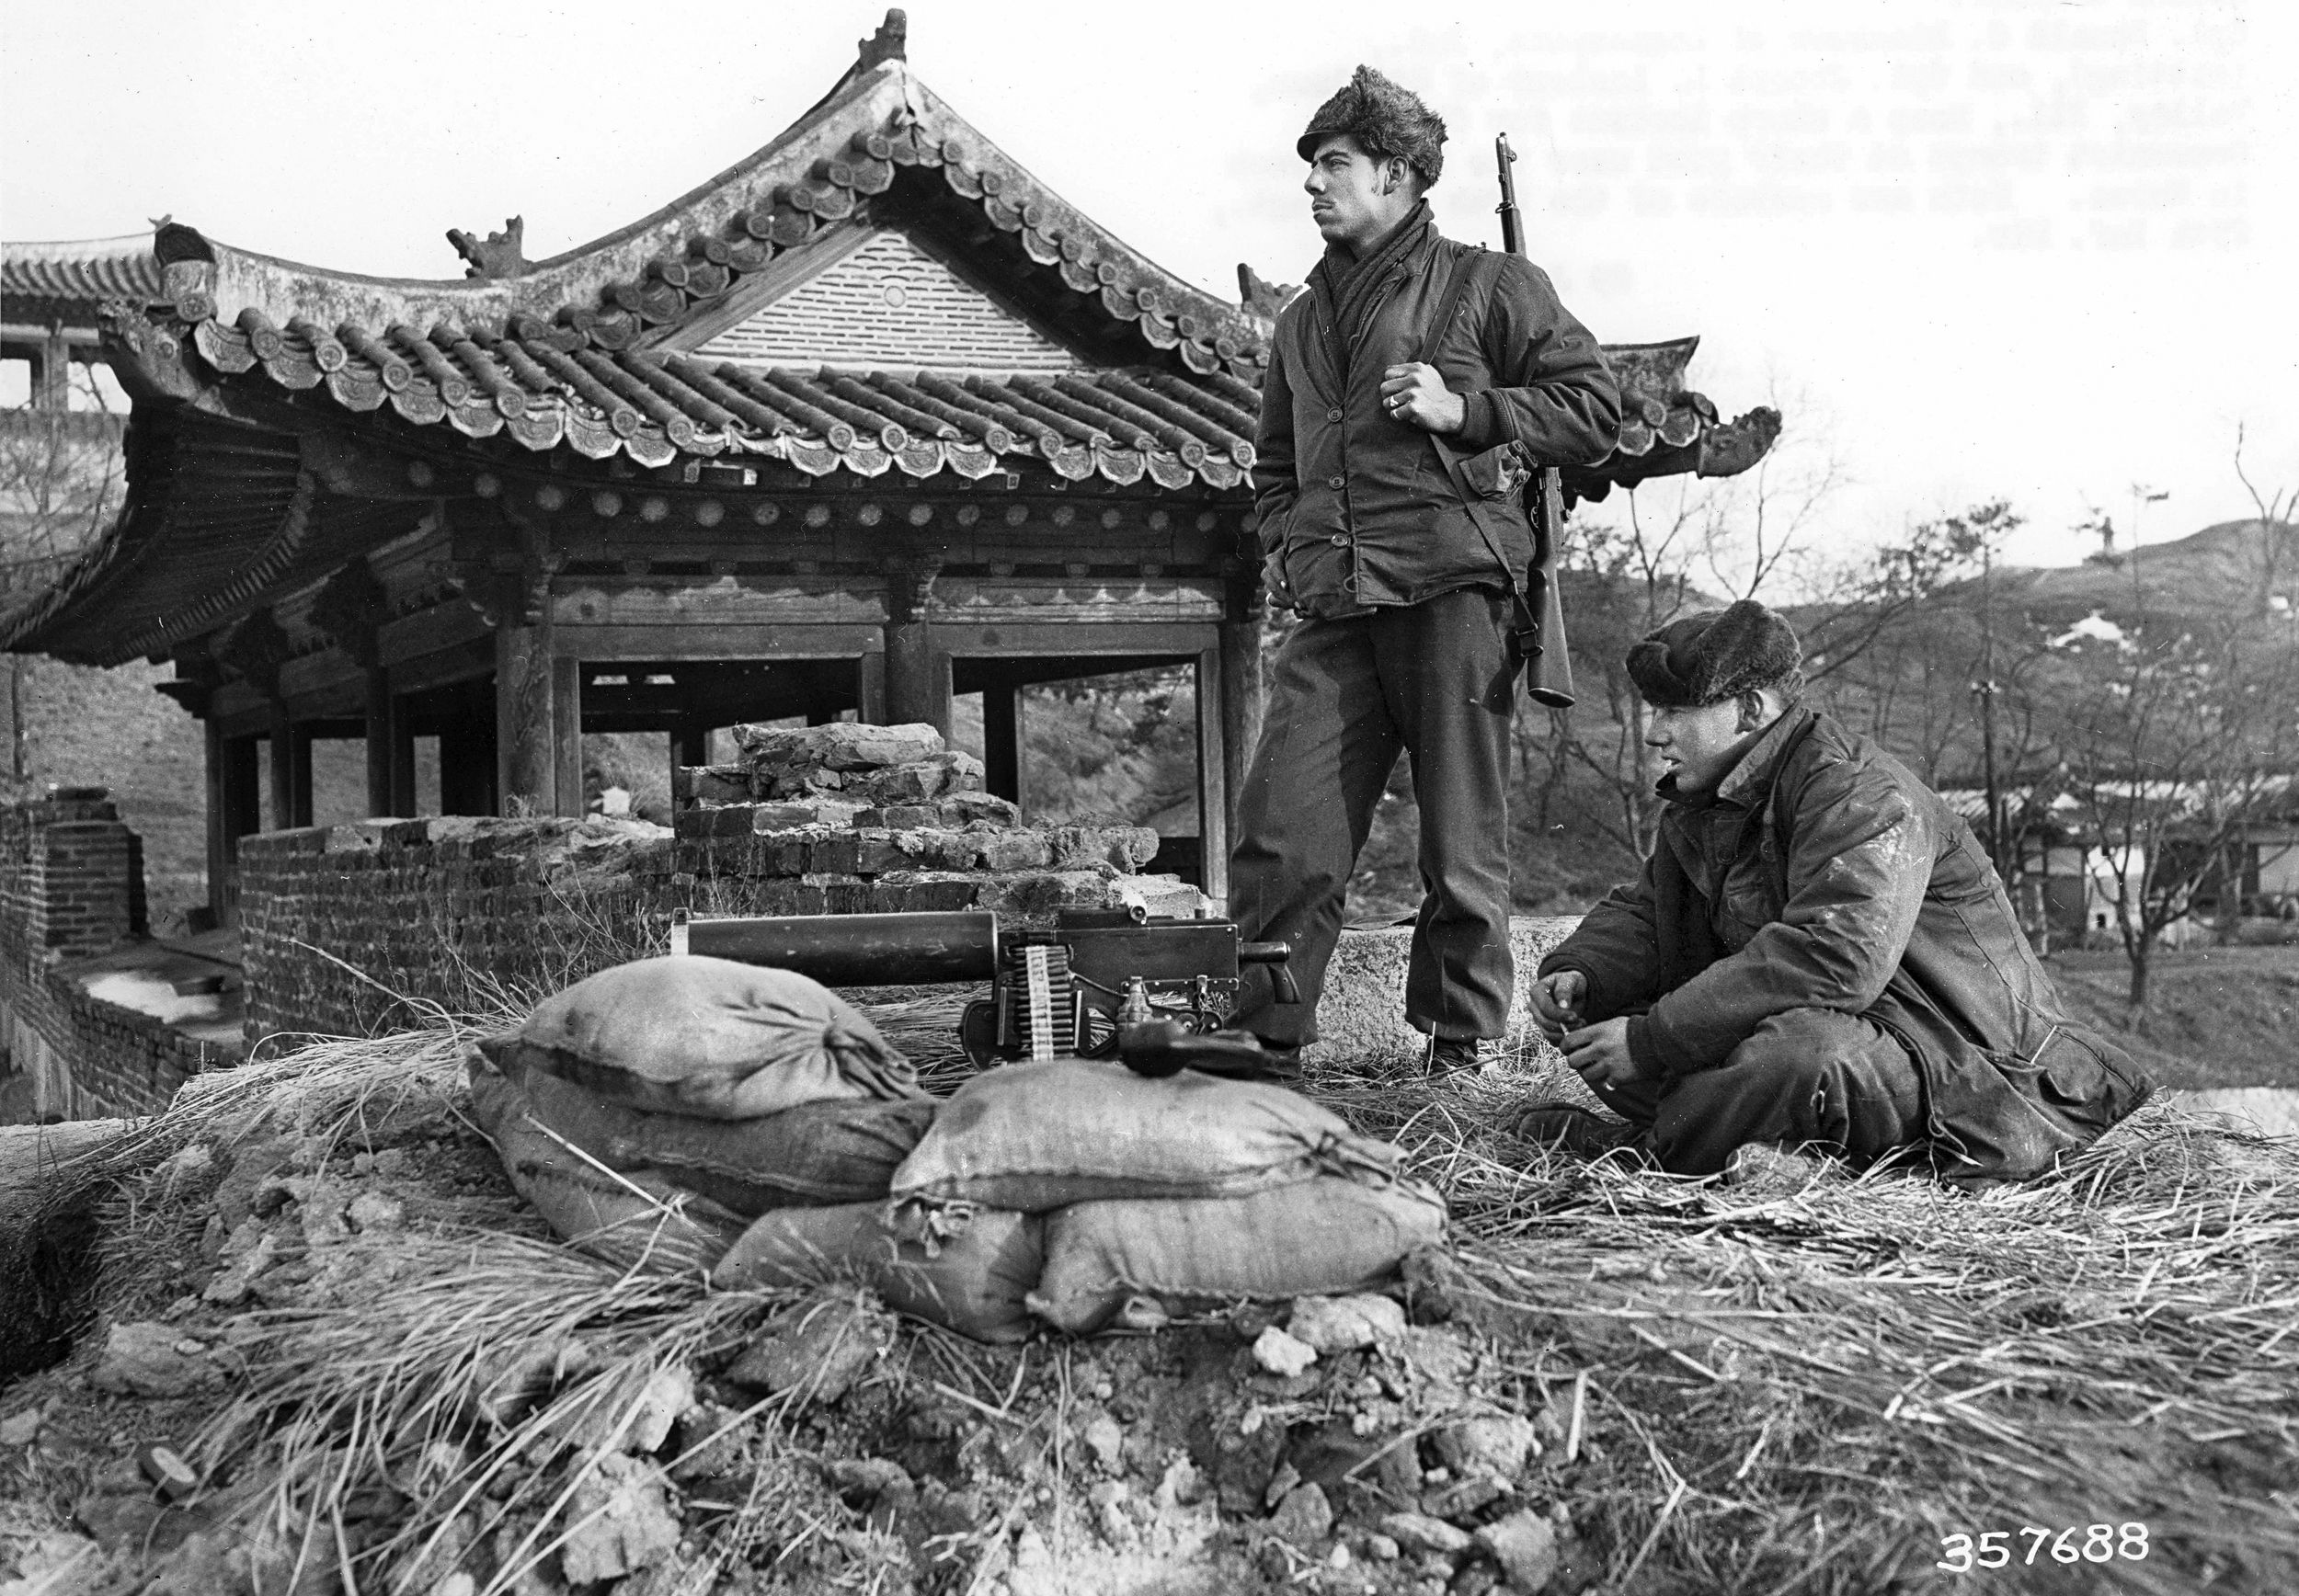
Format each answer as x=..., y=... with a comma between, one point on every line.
x=1527, y=627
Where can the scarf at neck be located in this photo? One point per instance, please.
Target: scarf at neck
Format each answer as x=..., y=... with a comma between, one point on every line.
x=1355, y=287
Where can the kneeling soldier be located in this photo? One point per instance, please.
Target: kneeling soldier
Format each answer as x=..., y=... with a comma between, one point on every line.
x=1818, y=952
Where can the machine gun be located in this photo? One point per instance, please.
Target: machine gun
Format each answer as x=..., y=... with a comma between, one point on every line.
x=1549, y=668
x=1156, y=991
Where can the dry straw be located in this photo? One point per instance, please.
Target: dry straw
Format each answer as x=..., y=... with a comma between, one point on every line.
x=1793, y=1391
x=1807, y=1389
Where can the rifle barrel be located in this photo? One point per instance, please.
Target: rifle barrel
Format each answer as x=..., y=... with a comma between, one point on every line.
x=1512, y=230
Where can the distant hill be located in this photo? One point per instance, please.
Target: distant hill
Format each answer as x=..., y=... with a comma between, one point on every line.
x=2232, y=568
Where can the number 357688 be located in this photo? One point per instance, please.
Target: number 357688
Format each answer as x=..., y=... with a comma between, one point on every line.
x=2077, y=1544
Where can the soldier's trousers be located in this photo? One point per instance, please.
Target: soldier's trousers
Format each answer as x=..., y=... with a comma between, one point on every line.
x=1436, y=680
x=1808, y=1077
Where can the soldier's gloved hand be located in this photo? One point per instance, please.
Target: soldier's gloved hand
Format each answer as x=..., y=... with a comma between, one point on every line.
x=1556, y=1002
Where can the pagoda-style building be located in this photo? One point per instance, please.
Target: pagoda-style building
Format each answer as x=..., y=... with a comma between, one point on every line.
x=868, y=420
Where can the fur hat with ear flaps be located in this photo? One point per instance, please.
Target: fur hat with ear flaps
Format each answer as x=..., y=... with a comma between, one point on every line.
x=1387, y=119
x=1717, y=655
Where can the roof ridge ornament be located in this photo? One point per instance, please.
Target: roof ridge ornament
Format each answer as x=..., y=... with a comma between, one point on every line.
x=891, y=42
x=502, y=255
x=1260, y=299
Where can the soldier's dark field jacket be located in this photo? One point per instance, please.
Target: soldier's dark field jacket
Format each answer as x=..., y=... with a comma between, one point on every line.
x=1821, y=874
x=1356, y=507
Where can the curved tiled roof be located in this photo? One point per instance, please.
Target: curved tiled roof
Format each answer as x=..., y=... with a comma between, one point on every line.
x=65, y=279
x=542, y=387
x=547, y=384
x=583, y=350
x=1666, y=428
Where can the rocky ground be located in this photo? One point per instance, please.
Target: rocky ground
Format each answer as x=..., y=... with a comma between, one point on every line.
x=813, y=1443
x=326, y=1350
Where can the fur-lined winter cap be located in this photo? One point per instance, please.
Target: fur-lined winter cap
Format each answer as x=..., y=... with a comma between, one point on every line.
x=1717, y=655
x=1387, y=119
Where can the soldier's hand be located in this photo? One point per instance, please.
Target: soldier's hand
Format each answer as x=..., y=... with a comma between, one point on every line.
x=1556, y=1002
x=1599, y=1053
x=1417, y=394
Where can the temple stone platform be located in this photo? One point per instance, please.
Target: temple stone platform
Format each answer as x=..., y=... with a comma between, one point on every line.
x=1361, y=1019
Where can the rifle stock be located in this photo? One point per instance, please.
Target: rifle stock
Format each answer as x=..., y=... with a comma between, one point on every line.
x=1548, y=663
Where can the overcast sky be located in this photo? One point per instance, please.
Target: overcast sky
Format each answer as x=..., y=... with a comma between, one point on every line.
x=2025, y=248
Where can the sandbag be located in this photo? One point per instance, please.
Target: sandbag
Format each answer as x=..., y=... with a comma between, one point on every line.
x=965, y=1268
x=839, y=1150
x=632, y=1219
x=1035, y=1137
x=1324, y=1237
x=814, y=1155
x=689, y=1034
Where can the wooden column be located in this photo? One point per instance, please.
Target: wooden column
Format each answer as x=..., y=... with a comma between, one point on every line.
x=52, y=382
x=691, y=741
x=870, y=690
x=400, y=738
x=538, y=697
x=220, y=832
x=917, y=674
x=281, y=737
x=526, y=763
x=1241, y=690
x=257, y=649
x=298, y=776
x=1002, y=741
x=234, y=809
x=382, y=734
x=1213, y=778
x=566, y=734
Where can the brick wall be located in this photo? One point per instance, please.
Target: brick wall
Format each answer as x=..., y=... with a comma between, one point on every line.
x=369, y=927
x=70, y=875
x=360, y=928
x=71, y=723
x=72, y=890
x=374, y=926
x=88, y=1059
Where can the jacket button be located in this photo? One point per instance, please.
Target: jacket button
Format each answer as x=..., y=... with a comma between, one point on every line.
x=1336, y=481
x=1334, y=413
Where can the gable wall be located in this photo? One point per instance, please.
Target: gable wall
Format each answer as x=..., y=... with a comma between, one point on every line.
x=848, y=315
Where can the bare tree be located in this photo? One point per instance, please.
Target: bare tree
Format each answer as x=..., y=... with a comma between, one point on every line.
x=60, y=484
x=2178, y=744
x=1947, y=675
x=2277, y=536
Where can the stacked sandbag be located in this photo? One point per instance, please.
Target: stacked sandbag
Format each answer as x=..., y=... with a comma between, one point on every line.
x=633, y=1218
x=1187, y=1187
x=714, y=1038
x=960, y=1265
x=1039, y=1136
x=1324, y=1237
x=838, y=1150
x=724, y=1090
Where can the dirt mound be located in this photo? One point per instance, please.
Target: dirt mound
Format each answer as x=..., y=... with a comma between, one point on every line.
x=332, y=1351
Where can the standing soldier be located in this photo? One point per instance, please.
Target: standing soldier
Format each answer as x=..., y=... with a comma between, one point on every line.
x=1412, y=391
